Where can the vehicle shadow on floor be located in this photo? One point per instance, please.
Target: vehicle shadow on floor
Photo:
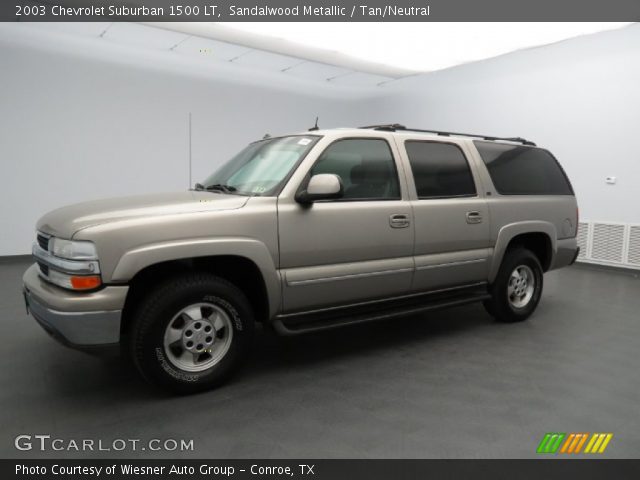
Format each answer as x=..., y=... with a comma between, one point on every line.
x=272, y=353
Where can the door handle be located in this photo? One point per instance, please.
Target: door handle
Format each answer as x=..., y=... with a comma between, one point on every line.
x=474, y=217
x=399, y=220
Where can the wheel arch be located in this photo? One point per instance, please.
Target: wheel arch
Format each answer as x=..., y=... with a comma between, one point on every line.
x=245, y=263
x=539, y=237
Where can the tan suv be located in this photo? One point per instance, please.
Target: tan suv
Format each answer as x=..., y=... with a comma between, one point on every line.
x=302, y=233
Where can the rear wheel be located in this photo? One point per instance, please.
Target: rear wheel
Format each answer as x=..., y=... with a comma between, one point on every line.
x=517, y=288
x=191, y=333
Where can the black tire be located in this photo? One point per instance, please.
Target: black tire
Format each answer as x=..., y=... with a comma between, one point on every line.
x=156, y=310
x=499, y=305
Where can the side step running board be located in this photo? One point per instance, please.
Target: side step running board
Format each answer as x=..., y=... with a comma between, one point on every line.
x=306, y=323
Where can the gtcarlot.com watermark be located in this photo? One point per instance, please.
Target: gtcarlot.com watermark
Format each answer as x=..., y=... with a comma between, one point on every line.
x=44, y=443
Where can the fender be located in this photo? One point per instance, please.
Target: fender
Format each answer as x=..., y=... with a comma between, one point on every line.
x=133, y=261
x=510, y=231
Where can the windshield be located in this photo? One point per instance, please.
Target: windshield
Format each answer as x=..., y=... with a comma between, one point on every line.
x=262, y=167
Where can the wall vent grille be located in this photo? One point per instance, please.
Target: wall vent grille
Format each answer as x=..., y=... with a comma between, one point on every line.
x=583, y=236
x=609, y=243
x=633, y=257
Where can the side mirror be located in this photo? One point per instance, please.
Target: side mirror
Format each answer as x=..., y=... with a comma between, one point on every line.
x=324, y=186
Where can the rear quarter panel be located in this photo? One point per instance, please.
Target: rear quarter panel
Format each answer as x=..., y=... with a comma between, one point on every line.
x=511, y=215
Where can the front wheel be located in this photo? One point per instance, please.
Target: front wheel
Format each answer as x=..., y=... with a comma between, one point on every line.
x=517, y=288
x=191, y=333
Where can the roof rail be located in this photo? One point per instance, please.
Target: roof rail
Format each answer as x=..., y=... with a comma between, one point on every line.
x=394, y=127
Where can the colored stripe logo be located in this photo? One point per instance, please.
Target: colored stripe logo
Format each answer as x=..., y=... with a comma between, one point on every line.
x=555, y=442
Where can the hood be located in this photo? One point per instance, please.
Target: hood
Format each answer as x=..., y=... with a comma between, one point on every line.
x=66, y=221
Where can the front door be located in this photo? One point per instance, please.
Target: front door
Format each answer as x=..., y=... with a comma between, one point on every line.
x=353, y=249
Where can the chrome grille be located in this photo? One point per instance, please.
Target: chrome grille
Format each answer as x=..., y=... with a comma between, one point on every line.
x=44, y=269
x=43, y=241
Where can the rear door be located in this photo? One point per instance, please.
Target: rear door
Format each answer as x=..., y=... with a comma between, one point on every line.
x=452, y=224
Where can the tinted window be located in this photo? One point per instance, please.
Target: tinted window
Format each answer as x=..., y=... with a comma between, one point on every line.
x=365, y=166
x=522, y=170
x=439, y=170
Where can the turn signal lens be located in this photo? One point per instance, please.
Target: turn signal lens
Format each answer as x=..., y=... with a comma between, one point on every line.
x=85, y=283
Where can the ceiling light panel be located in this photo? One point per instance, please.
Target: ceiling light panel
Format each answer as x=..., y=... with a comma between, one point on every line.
x=316, y=71
x=206, y=49
x=423, y=47
x=143, y=36
x=85, y=29
x=359, y=79
x=267, y=61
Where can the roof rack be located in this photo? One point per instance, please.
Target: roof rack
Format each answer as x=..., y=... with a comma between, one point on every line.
x=394, y=127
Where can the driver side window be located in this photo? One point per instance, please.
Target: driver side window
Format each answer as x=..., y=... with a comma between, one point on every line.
x=365, y=166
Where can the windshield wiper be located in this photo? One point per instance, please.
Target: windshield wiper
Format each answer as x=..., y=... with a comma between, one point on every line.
x=220, y=187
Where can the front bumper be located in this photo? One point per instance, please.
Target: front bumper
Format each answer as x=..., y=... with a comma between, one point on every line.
x=78, y=320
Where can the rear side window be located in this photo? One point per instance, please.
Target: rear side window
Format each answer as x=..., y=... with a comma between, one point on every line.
x=440, y=170
x=523, y=170
x=365, y=166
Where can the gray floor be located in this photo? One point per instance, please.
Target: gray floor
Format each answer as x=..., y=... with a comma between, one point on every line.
x=453, y=384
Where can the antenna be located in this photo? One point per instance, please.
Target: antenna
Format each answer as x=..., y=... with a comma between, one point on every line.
x=190, y=160
x=315, y=127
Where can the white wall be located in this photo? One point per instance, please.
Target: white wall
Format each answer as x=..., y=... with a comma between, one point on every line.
x=579, y=98
x=82, y=119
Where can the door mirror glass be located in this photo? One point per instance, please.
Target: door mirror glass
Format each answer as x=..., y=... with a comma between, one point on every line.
x=324, y=186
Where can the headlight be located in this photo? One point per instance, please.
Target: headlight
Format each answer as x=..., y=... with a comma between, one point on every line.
x=68, y=263
x=73, y=250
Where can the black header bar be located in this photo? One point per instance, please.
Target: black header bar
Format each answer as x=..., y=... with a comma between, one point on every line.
x=319, y=10
x=319, y=469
